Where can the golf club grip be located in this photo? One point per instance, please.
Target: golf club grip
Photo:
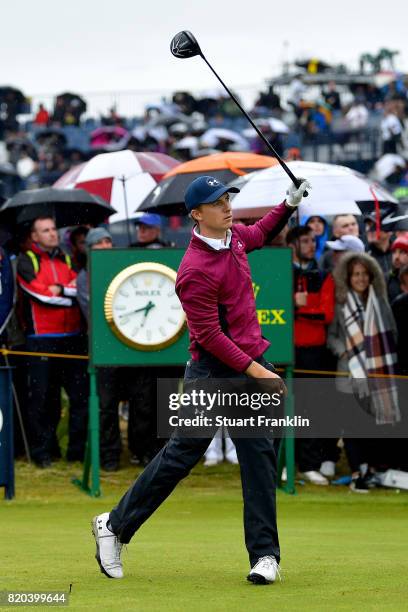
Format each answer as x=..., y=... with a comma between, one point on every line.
x=290, y=174
x=293, y=178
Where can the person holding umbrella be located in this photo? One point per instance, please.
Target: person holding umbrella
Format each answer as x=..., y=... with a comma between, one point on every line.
x=214, y=286
x=148, y=232
x=52, y=324
x=109, y=380
x=142, y=382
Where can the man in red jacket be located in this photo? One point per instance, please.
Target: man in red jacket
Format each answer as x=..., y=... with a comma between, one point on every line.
x=314, y=311
x=215, y=289
x=52, y=324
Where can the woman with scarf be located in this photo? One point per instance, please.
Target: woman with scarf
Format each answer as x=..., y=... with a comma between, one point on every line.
x=363, y=337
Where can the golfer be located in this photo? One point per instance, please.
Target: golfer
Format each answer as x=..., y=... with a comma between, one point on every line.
x=215, y=289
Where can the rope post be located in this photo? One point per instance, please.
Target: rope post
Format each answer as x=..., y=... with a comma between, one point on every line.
x=90, y=482
x=287, y=448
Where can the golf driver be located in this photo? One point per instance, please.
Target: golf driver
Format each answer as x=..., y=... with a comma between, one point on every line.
x=185, y=45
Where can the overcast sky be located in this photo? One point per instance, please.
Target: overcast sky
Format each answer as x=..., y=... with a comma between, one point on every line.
x=98, y=45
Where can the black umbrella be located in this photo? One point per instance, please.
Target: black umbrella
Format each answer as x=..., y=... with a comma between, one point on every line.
x=11, y=93
x=13, y=101
x=397, y=220
x=74, y=100
x=167, y=198
x=56, y=134
x=66, y=206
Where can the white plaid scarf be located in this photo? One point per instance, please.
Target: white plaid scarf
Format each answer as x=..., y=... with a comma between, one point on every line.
x=371, y=350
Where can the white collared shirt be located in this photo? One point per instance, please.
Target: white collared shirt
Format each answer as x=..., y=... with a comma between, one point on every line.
x=218, y=244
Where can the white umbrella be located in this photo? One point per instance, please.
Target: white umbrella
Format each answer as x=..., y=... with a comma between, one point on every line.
x=212, y=137
x=276, y=125
x=159, y=132
x=336, y=190
x=188, y=142
x=386, y=165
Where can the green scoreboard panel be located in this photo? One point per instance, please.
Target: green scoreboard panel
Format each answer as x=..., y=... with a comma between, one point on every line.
x=118, y=274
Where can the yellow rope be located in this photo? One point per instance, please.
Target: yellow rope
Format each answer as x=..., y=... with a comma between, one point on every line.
x=5, y=351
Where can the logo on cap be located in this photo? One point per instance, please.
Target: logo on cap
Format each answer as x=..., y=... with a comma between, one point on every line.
x=213, y=182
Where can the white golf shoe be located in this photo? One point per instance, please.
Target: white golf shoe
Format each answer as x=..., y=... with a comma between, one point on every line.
x=315, y=478
x=213, y=455
x=264, y=571
x=230, y=451
x=108, y=547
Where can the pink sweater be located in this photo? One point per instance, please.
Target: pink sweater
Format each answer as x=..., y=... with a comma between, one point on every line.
x=215, y=290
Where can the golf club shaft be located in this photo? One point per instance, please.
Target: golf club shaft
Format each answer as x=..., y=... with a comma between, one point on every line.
x=288, y=171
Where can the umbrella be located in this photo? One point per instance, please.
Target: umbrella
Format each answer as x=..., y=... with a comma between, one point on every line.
x=52, y=136
x=275, y=125
x=168, y=197
x=13, y=101
x=216, y=137
x=336, y=190
x=123, y=178
x=158, y=132
x=67, y=207
x=168, y=118
x=397, y=220
x=109, y=138
x=11, y=93
x=74, y=100
x=387, y=165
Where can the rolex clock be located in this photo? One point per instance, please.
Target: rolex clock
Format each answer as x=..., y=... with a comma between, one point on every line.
x=142, y=308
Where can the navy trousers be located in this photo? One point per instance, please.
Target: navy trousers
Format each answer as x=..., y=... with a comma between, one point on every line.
x=46, y=377
x=257, y=459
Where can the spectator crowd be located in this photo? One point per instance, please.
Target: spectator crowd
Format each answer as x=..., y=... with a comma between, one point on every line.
x=346, y=275
x=350, y=275
x=298, y=120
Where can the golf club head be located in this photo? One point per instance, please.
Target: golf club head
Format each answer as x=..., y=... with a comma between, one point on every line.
x=184, y=45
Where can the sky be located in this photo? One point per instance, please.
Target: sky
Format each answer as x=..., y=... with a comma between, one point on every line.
x=93, y=46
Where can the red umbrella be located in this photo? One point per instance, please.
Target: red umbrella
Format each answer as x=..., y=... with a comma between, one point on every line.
x=123, y=178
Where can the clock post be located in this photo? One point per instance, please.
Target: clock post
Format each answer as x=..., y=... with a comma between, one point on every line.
x=136, y=320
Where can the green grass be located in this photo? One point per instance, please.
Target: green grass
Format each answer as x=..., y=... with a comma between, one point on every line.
x=340, y=551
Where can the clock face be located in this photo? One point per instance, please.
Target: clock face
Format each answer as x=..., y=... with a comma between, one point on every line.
x=142, y=308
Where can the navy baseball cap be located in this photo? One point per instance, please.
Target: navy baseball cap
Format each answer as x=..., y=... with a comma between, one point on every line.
x=204, y=190
x=150, y=219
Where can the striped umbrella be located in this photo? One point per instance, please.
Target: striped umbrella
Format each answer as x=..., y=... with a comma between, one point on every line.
x=122, y=178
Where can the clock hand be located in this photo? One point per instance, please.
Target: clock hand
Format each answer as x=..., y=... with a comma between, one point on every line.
x=149, y=305
x=147, y=310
